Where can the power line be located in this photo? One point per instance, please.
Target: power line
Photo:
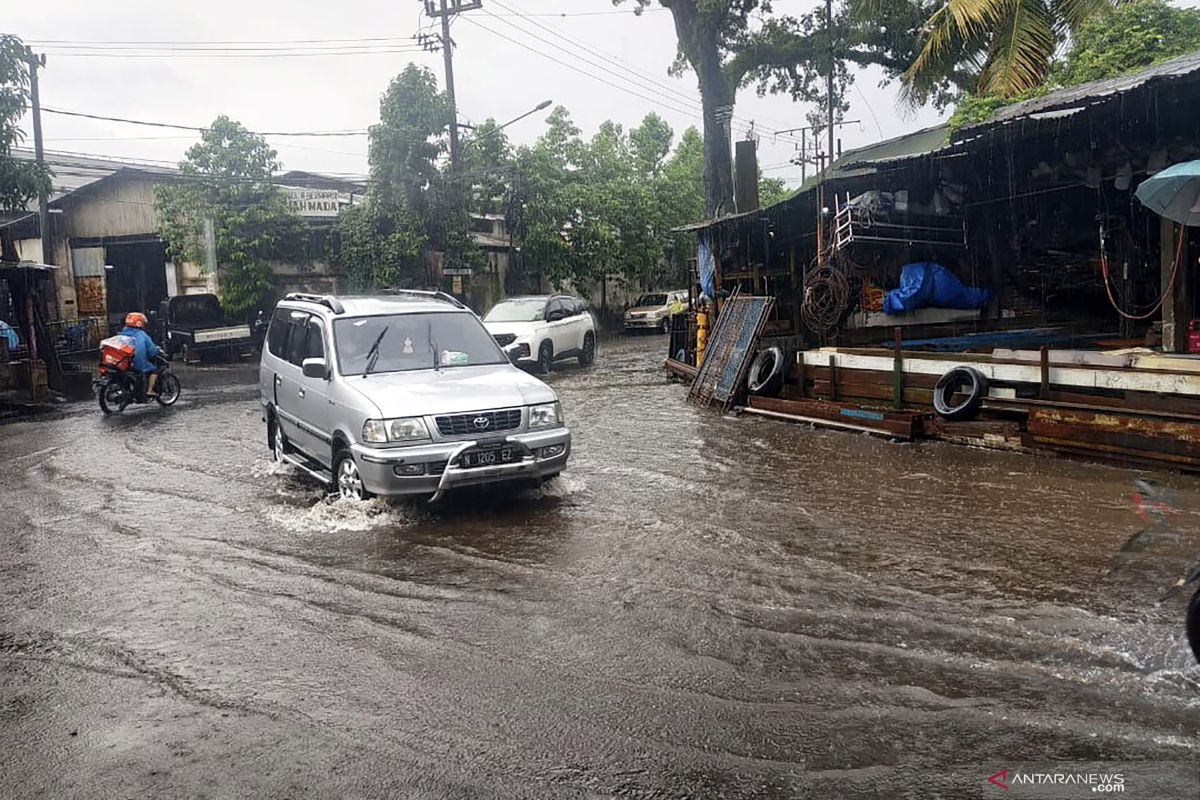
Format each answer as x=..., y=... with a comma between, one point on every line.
x=656, y=100
x=152, y=43
x=312, y=54
x=640, y=75
x=173, y=126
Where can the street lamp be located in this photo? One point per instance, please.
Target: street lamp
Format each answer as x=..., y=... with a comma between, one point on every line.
x=542, y=106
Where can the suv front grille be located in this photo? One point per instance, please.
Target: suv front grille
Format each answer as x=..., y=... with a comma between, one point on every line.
x=479, y=422
x=505, y=339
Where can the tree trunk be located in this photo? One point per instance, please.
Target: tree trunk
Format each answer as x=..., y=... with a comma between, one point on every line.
x=718, y=161
x=698, y=40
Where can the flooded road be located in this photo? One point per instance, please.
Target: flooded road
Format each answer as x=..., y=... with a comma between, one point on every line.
x=702, y=606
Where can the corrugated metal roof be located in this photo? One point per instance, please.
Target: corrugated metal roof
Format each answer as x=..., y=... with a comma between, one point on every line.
x=74, y=171
x=1089, y=93
x=855, y=163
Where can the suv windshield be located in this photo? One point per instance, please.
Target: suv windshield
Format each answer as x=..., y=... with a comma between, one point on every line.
x=526, y=309
x=651, y=300
x=412, y=342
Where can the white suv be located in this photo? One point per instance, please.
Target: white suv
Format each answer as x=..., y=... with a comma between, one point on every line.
x=539, y=330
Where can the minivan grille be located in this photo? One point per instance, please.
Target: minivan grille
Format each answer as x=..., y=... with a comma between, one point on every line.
x=480, y=422
x=505, y=339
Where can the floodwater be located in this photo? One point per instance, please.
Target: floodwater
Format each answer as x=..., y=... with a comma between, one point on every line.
x=702, y=606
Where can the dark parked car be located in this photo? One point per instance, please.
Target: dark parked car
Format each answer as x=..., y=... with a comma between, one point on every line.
x=192, y=324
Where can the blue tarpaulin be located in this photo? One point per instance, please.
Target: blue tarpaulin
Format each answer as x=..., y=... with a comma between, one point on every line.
x=9, y=335
x=926, y=284
x=706, y=266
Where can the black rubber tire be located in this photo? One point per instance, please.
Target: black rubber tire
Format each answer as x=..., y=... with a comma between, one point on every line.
x=187, y=354
x=1193, y=625
x=105, y=402
x=168, y=397
x=275, y=435
x=345, y=455
x=766, y=373
x=976, y=385
x=665, y=325
x=545, y=358
x=587, y=356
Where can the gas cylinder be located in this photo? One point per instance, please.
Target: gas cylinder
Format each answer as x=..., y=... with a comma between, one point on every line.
x=701, y=333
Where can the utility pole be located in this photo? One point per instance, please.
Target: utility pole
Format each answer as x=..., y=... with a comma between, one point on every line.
x=829, y=77
x=35, y=102
x=445, y=9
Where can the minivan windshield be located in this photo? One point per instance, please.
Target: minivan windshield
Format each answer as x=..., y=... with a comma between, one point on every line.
x=412, y=342
x=521, y=309
x=651, y=300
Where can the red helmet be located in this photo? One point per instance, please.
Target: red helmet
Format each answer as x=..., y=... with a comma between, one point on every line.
x=135, y=319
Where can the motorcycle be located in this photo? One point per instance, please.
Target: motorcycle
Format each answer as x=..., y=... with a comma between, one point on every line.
x=118, y=384
x=1154, y=505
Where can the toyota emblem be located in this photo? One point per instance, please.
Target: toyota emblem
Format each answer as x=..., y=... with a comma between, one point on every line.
x=482, y=423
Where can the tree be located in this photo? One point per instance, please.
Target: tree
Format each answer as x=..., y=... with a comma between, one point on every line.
x=1007, y=45
x=408, y=181
x=1138, y=34
x=373, y=248
x=486, y=168
x=772, y=190
x=226, y=179
x=21, y=180
x=732, y=43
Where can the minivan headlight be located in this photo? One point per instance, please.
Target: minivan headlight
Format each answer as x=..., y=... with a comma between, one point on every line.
x=404, y=429
x=547, y=415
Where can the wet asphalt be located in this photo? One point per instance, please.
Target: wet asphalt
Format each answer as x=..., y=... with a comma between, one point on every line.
x=702, y=606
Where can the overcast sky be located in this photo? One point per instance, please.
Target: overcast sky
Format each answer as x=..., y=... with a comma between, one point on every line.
x=495, y=76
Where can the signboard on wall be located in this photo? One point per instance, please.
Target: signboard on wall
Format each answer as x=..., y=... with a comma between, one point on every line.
x=315, y=203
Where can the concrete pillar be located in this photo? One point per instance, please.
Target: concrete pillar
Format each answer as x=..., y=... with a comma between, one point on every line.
x=1177, y=306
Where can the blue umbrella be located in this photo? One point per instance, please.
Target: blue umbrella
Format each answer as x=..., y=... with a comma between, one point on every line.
x=1174, y=193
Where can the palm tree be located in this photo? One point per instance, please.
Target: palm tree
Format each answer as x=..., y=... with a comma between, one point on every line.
x=1005, y=45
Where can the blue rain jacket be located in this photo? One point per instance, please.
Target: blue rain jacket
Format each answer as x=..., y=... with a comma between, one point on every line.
x=144, y=349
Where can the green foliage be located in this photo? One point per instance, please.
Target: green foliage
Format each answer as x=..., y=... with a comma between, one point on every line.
x=374, y=249
x=772, y=191
x=414, y=202
x=21, y=180
x=1004, y=46
x=1139, y=34
x=603, y=208
x=227, y=178
x=971, y=110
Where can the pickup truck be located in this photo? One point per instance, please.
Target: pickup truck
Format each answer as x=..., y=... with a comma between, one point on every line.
x=192, y=324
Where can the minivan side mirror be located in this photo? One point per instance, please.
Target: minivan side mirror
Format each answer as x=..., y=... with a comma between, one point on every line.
x=315, y=368
x=555, y=315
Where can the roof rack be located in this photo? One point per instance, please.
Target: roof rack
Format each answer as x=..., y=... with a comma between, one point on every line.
x=330, y=302
x=432, y=295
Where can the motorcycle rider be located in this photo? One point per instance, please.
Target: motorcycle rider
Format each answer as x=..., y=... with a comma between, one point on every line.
x=144, y=349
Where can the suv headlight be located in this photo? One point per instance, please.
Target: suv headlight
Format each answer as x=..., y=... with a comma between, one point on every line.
x=548, y=415
x=404, y=429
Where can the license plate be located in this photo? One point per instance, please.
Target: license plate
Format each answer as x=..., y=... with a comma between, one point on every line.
x=490, y=458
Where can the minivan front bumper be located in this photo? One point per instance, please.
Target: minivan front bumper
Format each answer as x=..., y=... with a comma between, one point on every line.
x=544, y=454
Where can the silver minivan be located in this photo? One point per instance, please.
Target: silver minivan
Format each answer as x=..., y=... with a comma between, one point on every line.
x=402, y=394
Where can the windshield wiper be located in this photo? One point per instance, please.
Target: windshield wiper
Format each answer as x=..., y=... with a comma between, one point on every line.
x=373, y=353
x=433, y=345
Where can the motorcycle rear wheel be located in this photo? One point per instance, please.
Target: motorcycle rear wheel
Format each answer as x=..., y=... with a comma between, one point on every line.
x=113, y=397
x=168, y=390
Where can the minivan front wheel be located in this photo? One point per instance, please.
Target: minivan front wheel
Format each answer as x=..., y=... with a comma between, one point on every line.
x=347, y=481
x=275, y=440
